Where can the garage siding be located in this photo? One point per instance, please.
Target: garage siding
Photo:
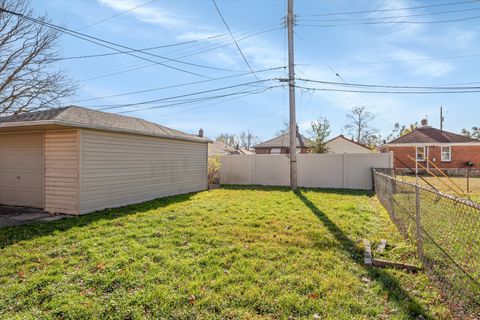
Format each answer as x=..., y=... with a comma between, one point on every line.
x=21, y=169
x=119, y=169
x=62, y=171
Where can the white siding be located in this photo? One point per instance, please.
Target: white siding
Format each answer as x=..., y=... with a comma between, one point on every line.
x=342, y=145
x=62, y=171
x=119, y=169
x=21, y=169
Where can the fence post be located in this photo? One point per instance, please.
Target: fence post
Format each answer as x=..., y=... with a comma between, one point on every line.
x=418, y=224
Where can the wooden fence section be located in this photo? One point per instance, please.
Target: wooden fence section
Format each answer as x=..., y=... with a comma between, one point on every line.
x=348, y=170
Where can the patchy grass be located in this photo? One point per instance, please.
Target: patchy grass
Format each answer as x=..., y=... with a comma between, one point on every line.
x=442, y=184
x=237, y=252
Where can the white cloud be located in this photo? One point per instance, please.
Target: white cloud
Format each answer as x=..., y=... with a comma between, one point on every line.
x=150, y=14
x=200, y=35
x=419, y=64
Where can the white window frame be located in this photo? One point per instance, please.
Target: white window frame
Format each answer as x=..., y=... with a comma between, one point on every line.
x=446, y=159
x=276, y=151
x=423, y=154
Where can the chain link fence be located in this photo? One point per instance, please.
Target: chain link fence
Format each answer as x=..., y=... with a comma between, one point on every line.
x=446, y=232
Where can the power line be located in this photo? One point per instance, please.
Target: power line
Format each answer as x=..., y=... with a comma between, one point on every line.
x=208, y=98
x=393, y=17
x=143, y=66
x=136, y=50
x=410, y=60
x=118, y=14
x=389, y=92
x=393, y=9
x=390, y=22
x=177, y=85
x=390, y=86
x=222, y=101
x=96, y=41
x=233, y=38
x=106, y=107
x=102, y=42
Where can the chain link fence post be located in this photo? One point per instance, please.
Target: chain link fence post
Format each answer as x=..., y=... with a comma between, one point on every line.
x=418, y=224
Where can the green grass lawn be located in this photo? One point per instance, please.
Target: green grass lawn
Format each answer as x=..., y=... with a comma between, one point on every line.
x=445, y=185
x=232, y=253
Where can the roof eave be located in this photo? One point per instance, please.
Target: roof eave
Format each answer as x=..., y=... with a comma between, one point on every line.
x=97, y=127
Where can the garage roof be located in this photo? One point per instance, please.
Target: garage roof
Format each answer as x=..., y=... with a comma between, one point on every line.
x=80, y=117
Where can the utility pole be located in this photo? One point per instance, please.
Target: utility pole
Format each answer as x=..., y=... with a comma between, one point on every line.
x=291, y=91
x=441, y=118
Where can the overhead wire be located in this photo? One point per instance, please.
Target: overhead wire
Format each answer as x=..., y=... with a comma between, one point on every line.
x=389, y=91
x=391, y=86
x=207, y=98
x=392, y=17
x=394, y=9
x=234, y=40
x=114, y=106
x=108, y=44
x=192, y=53
x=388, y=22
x=177, y=85
x=117, y=15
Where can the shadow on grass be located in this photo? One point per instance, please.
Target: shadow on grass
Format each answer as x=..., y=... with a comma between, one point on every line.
x=391, y=285
x=350, y=192
x=12, y=235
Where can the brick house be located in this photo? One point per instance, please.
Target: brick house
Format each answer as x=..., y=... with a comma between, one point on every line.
x=446, y=150
x=281, y=145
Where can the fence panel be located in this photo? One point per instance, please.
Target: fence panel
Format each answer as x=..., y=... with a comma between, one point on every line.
x=446, y=230
x=350, y=171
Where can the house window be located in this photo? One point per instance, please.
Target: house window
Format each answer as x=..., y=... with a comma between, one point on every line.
x=275, y=151
x=420, y=153
x=446, y=153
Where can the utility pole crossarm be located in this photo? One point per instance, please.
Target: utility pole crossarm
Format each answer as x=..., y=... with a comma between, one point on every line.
x=291, y=91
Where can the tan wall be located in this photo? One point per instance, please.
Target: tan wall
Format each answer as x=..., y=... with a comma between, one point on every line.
x=119, y=169
x=21, y=169
x=62, y=171
x=350, y=171
x=341, y=146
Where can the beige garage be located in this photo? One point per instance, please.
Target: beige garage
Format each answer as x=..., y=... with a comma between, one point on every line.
x=75, y=160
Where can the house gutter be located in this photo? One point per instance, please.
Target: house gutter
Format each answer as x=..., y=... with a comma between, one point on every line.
x=103, y=128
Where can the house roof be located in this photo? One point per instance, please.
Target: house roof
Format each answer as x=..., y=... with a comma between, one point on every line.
x=432, y=135
x=284, y=141
x=341, y=136
x=80, y=117
x=220, y=148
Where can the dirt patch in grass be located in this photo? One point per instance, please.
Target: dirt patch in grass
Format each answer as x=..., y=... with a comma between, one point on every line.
x=236, y=252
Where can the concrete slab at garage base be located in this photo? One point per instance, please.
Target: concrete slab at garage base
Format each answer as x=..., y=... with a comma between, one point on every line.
x=15, y=216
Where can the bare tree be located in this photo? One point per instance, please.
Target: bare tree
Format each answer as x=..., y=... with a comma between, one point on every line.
x=29, y=79
x=358, y=125
x=474, y=133
x=228, y=139
x=285, y=129
x=247, y=139
x=319, y=131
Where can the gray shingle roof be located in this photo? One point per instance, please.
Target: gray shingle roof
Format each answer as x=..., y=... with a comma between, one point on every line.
x=432, y=135
x=284, y=141
x=88, y=118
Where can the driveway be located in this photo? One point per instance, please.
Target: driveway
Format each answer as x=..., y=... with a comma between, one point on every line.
x=15, y=216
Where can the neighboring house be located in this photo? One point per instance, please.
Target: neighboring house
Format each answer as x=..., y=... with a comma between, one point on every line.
x=281, y=145
x=340, y=144
x=217, y=148
x=75, y=160
x=447, y=150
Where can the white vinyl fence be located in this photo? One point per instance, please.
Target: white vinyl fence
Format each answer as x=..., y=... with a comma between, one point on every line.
x=348, y=170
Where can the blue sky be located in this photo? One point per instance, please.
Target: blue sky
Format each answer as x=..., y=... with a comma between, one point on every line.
x=391, y=54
